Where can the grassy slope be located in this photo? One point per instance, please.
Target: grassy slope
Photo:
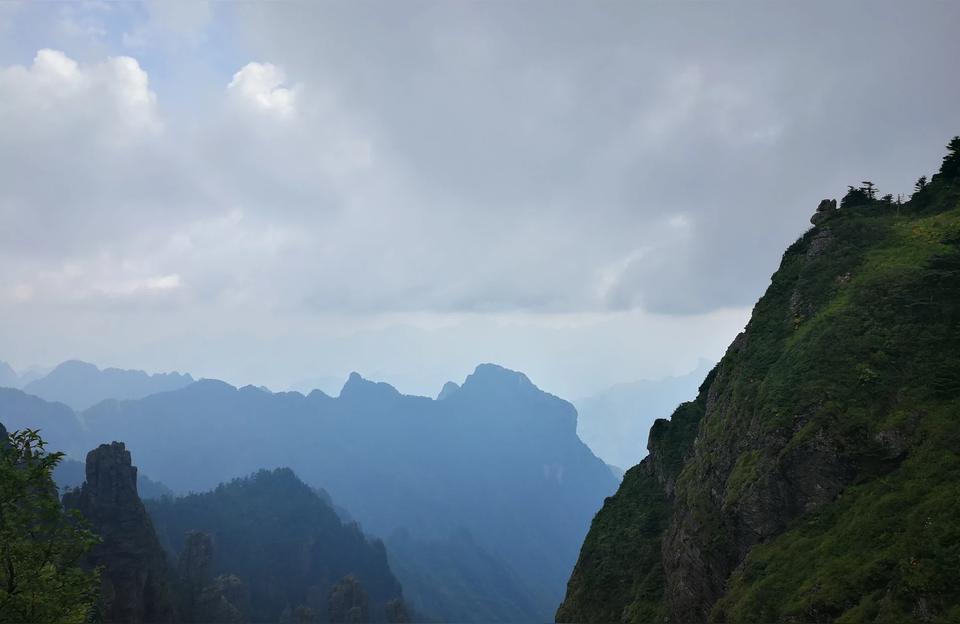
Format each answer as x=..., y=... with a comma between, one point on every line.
x=856, y=349
x=889, y=546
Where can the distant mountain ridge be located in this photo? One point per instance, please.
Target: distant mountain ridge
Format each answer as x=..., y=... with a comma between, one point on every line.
x=496, y=458
x=81, y=384
x=10, y=378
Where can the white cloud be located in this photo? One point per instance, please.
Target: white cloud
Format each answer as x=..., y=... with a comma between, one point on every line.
x=379, y=165
x=260, y=86
x=55, y=94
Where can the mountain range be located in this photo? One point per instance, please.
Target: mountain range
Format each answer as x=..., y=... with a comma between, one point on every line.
x=493, y=469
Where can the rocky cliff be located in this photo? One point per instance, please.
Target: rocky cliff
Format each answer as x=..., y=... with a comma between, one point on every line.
x=134, y=585
x=815, y=476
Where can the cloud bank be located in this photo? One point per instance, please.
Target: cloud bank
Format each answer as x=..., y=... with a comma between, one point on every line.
x=236, y=174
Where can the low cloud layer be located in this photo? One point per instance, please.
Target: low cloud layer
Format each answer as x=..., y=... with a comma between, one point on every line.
x=237, y=173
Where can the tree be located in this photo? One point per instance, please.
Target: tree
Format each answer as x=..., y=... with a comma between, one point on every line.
x=921, y=184
x=951, y=162
x=887, y=199
x=854, y=197
x=869, y=189
x=41, y=545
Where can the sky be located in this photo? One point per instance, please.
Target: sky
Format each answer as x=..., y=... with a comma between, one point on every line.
x=591, y=193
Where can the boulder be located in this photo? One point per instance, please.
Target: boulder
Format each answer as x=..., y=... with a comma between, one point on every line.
x=826, y=209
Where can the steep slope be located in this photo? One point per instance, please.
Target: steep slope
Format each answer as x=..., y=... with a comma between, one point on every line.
x=283, y=542
x=815, y=477
x=81, y=385
x=134, y=574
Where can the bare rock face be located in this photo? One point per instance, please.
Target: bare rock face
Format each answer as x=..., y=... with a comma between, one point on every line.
x=826, y=209
x=134, y=586
x=195, y=559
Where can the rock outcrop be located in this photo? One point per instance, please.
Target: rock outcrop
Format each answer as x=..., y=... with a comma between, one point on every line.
x=826, y=209
x=134, y=584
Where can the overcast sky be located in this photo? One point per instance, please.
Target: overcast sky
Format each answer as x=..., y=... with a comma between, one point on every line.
x=588, y=192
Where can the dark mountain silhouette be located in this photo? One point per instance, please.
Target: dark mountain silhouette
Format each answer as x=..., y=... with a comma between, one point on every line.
x=282, y=543
x=81, y=385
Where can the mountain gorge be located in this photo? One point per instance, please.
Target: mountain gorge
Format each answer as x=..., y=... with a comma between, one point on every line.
x=814, y=477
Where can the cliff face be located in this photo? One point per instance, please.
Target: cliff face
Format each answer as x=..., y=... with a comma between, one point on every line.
x=815, y=476
x=134, y=570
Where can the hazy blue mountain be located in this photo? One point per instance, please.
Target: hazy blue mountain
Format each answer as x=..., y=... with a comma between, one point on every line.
x=324, y=383
x=11, y=378
x=497, y=458
x=456, y=577
x=281, y=540
x=58, y=424
x=71, y=473
x=81, y=385
x=615, y=423
x=8, y=377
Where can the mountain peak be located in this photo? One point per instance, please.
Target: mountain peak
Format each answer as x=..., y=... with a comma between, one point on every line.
x=75, y=366
x=448, y=389
x=486, y=375
x=82, y=385
x=358, y=387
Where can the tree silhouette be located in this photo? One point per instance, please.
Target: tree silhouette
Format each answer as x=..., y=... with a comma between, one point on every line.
x=951, y=162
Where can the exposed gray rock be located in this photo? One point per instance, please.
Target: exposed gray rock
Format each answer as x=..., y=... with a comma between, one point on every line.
x=820, y=242
x=134, y=586
x=826, y=209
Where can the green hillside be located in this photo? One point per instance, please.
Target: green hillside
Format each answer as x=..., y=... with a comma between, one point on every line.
x=816, y=476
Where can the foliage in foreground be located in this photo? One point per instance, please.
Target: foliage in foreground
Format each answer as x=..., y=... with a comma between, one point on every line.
x=41, y=545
